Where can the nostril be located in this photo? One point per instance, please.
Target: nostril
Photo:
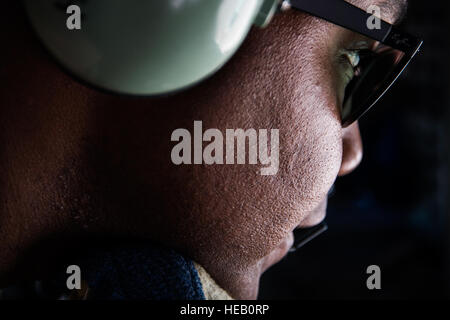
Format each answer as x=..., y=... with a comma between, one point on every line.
x=352, y=150
x=350, y=161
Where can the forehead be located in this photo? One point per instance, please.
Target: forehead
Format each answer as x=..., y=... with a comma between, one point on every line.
x=391, y=10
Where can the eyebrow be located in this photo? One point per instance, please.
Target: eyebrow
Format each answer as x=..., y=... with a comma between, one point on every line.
x=400, y=8
x=347, y=15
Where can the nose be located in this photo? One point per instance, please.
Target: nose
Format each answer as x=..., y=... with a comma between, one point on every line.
x=352, y=150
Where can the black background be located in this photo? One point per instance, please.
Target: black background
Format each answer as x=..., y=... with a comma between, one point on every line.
x=393, y=210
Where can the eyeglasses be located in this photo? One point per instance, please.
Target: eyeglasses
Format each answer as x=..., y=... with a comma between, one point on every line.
x=377, y=69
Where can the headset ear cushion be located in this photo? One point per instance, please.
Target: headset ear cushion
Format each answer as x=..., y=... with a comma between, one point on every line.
x=143, y=47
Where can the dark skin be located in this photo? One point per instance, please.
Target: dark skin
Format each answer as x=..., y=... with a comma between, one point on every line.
x=78, y=165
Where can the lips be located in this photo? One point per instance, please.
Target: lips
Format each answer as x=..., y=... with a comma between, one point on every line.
x=316, y=216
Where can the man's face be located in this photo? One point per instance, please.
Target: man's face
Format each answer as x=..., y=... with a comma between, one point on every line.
x=290, y=76
x=232, y=220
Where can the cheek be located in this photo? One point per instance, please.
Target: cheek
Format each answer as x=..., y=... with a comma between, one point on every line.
x=312, y=152
x=310, y=155
x=312, y=135
x=255, y=213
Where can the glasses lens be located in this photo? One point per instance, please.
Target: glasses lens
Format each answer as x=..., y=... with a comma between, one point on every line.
x=375, y=73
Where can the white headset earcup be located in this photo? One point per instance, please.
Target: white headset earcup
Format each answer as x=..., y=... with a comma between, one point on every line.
x=143, y=47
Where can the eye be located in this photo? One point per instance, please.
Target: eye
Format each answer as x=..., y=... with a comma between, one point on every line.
x=358, y=60
x=353, y=58
x=350, y=60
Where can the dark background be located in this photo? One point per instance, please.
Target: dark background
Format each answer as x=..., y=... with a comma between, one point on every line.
x=393, y=210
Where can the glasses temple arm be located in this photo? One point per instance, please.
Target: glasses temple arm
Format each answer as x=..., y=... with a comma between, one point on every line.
x=344, y=14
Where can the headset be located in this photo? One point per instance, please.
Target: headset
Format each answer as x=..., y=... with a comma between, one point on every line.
x=146, y=47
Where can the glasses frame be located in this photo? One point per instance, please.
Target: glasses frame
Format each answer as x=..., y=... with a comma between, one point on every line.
x=348, y=16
